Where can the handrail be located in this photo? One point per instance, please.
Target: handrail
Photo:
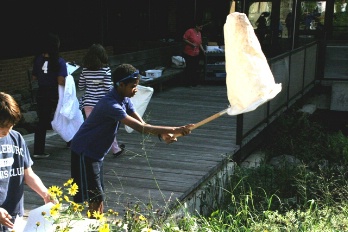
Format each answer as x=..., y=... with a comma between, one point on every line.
x=296, y=70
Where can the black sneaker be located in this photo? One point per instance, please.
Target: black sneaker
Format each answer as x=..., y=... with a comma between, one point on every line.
x=122, y=146
x=41, y=156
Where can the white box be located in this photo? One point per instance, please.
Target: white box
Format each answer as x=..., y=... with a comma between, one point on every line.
x=153, y=73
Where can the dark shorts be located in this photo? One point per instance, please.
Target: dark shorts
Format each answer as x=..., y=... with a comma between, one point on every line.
x=88, y=175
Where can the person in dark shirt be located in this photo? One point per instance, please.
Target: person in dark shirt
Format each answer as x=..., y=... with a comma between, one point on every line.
x=94, y=138
x=289, y=24
x=261, y=30
x=49, y=70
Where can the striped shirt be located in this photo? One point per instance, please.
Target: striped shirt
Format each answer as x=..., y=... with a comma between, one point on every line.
x=96, y=84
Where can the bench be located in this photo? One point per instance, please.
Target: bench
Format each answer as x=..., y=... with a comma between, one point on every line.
x=156, y=58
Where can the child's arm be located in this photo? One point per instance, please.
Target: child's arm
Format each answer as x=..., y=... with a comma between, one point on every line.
x=137, y=117
x=35, y=183
x=142, y=127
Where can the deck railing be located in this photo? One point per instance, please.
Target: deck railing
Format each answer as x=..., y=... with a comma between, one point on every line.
x=296, y=71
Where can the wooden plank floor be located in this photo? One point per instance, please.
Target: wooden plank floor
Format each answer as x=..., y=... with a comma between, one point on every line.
x=150, y=170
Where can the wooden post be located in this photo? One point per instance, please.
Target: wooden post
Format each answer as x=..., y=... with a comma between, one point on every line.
x=233, y=6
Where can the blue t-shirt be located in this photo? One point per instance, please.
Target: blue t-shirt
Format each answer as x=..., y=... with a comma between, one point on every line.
x=14, y=158
x=45, y=77
x=96, y=134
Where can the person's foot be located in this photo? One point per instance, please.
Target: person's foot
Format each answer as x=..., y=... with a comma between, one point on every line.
x=122, y=147
x=41, y=156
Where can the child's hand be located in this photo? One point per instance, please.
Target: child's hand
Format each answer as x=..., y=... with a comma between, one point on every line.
x=179, y=131
x=185, y=130
x=169, y=138
x=48, y=198
x=5, y=218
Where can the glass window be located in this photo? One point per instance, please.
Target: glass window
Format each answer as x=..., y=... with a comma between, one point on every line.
x=286, y=18
x=259, y=9
x=312, y=16
x=340, y=20
x=259, y=16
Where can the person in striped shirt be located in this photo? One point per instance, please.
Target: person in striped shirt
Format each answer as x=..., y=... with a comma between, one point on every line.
x=95, y=80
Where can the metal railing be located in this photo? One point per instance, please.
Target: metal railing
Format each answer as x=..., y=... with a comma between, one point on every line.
x=296, y=71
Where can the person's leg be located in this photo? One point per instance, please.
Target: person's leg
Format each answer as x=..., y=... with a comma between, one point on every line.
x=4, y=228
x=114, y=147
x=96, y=203
x=88, y=110
x=78, y=174
x=44, y=115
x=189, y=70
x=195, y=71
x=95, y=184
x=117, y=149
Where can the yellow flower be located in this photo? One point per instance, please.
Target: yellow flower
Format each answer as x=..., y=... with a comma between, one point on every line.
x=99, y=216
x=104, y=228
x=69, y=182
x=55, y=191
x=55, y=209
x=142, y=218
x=89, y=214
x=66, y=198
x=77, y=207
x=73, y=189
x=146, y=230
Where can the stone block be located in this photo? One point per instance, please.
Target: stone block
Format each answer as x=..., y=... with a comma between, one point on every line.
x=339, y=96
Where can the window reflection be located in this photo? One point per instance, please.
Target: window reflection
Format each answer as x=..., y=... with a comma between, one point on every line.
x=312, y=15
x=259, y=17
x=340, y=20
x=255, y=11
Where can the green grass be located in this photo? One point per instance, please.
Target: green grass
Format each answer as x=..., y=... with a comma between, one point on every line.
x=310, y=196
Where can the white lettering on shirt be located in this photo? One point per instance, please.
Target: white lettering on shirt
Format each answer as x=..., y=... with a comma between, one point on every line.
x=44, y=67
x=11, y=173
x=6, y=162
x=8, y=148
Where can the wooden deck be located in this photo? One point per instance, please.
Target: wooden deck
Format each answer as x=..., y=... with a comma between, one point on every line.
x=150, y=170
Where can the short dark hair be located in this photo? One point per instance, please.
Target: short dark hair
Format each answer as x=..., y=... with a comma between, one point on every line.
x=10, y=113
x=122, y=71
x=50, y=44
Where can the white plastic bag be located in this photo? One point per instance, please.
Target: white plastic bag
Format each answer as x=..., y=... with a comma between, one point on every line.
x=178, y=62
x=68, y=117
x=140, y=100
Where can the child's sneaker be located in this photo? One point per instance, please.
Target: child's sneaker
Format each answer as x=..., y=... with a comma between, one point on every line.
x=41, y=156
x=122, y=146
